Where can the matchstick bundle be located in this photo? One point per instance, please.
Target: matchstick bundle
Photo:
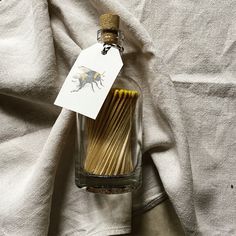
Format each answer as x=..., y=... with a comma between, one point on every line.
x=109, y=136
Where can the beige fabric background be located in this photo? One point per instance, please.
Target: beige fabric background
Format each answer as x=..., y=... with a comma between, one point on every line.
x=189, y=115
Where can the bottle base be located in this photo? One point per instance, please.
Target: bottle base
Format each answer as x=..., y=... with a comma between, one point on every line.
x=109, y=184
x=109, y=190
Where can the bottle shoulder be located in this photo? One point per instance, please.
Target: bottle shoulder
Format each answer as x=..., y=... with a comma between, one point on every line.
x=126, y=82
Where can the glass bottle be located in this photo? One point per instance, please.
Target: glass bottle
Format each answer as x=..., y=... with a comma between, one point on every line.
x=108, y=150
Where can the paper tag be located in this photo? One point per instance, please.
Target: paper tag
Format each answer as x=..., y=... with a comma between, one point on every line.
x=89, y=80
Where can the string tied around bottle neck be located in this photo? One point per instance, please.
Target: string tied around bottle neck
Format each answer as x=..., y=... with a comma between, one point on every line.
x=107, y=47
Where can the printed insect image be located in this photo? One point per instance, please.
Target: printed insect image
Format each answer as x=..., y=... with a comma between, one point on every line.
x=87, y=76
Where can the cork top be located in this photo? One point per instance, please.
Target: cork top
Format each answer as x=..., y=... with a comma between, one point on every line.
x=109, y=21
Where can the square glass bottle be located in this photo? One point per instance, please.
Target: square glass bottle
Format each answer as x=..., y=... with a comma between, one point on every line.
x=108, y=150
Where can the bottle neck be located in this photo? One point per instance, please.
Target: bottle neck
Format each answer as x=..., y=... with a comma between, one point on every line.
x=111, y=37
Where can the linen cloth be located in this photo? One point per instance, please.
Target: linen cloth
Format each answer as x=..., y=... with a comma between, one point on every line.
x=188, y=121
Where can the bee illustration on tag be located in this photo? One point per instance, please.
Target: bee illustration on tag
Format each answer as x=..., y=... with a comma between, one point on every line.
x=87, y=76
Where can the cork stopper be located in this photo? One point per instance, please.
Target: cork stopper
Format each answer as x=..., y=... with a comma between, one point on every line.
x=110, y=25
x=109, y=21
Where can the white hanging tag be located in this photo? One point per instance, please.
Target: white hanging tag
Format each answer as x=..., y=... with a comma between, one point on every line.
x=89, y=80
